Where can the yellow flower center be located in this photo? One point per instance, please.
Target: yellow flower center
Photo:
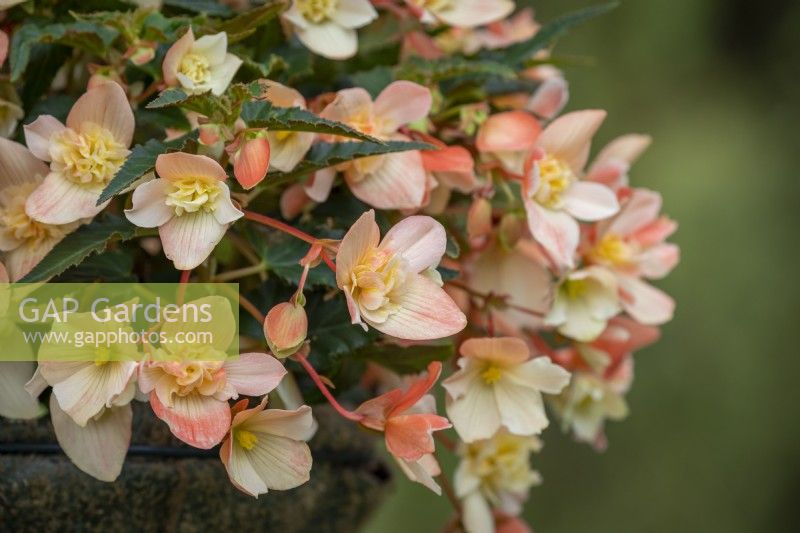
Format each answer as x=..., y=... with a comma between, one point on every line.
x=195, y=67
x=555, y=177
x=246, y=439
x=189, y=195
x=491, y=375
x=89, y=157
x=282, y=135
x=574, y=288
x=317, y=11
x=16, y=225
x=612, y=250
x=374, y=279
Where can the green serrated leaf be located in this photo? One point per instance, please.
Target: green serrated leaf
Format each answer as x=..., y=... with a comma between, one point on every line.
x=428, y=72
x=141, y=160
x=324, y=155
x=250, y=20
x=115, y=266
x=168, y=97
x=262, y=114
x=330, y=330
x=77, y=246
x=406, y=359
x=520, y=52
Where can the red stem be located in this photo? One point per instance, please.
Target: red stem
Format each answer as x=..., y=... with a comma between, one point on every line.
x=277, y=224
x=324, y=255
x=355, y=417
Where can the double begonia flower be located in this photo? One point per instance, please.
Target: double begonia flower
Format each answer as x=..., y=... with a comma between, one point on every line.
x=498, y=386
x=23, y=240
x=201, y=65
x=266, y=448
x=328, y=27
x=189, y=203
x=408, y=419
x=391, y=181
x=389, y=283
x=84, y=154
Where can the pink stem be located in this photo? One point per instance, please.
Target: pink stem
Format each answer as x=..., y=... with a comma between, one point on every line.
x=355, y=417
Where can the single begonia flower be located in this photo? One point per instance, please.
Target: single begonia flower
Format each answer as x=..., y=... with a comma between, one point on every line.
x=584, y=302
x=328, y=27
x=201, y=65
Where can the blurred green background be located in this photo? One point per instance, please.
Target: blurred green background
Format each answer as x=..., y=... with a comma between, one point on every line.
x=713, y=440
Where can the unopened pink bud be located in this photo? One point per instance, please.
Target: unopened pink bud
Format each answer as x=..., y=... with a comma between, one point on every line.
x=251, y=161
x=285, y=328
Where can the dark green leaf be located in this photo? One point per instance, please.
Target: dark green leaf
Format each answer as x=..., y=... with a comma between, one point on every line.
x=406, y=359
x=518, y=53
x=330, y=330
x=262, y=114
x=115, y=266
x=168, y=97
x=211, y=7
x=252, y=19
x=428, y=72
x=141, y=160
x=77, y=246
x=324, y=155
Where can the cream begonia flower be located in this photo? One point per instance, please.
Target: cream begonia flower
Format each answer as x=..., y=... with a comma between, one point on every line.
x=328, y=27
x=84, y=155
x=189, y=203
x=386, y=282
x=495, y=474
x=500, y=386
x=23, y=240
x=287, y=147
x=584, y=302
x=201, y=65
x=461, y=13
x=588, y=402
x=266, y=448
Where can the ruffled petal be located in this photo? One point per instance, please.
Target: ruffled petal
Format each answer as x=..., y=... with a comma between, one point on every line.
x=222, y=74
x=521, y=408
x=212, y=47
x=200, y=421
x=224, y=210
x=410, y=437
x=539, y=373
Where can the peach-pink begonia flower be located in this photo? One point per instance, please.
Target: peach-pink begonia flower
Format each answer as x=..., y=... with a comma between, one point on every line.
x=328, y=27
x=189, y=203
x=392, y=181
x=287, y=147
x=388, y=284
x=554, y=196
x=84, y=155
x=503, y=33
x=498, y=386
x=23, y=240
x=632, y=245
x=201, y=65
x=448, y=168
x=509, y=138
x=266, y=448
x=461, y=13
x=584, y=302
x=408, y=418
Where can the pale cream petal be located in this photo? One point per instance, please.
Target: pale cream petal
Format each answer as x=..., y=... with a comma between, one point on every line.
x=15, y=401
x=225, y=211
x=38, y=134
x=280, y=462
x=297, y=424
x=18, y=165
x=420, y=240
x=149, y=208
x=330, y=40
x=475, y=415
x=189, y=239
x=254, y=374
x=60, y=201
x=521, y=408
x=106, y=105
x=361, y=237
x=354, y=13
x=396, y=181
x=212, y=47
x=222, y=74
x=540, y=374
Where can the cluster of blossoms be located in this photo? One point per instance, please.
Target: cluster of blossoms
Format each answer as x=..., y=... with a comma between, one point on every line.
x=481, y=223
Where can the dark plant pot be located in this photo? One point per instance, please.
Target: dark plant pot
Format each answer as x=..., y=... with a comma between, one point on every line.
x=167, y=486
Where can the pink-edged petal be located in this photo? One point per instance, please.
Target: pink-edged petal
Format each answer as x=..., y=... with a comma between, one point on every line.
x=627, y=148
x=421, y=240
x=550, y=98
x=189, y=239
x=18, y=165
x=225, y=212
x=425, y=312
x=354, y=13
x=410, y=437
x=254, y=374
x=641, y=208
x=472, y=13
x=106, y=105
x=512, y=131
x=556, y=231
x=200, y=421
x=179, y=165
x=320, y=185
x=330, y=40
x=655, y=232
x=569, y=136
x=174, y=56
x=659, y=260
x=645, y=303
x=506, y=351
x=361, y=237
x=38, y=134
x=60, y=201
x=15, y=401
x=149, y=209
x=612, y=173
x=99, y=448
x=397, y=182
x=251, y=162
x=400, y=103
x=590, y=201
